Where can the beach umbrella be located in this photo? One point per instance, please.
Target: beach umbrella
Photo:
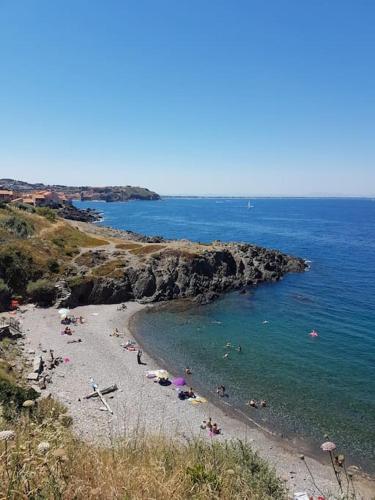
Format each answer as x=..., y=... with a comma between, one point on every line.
x=179, y=382
x=328, y=446
x=161, y=374
x=63, y=312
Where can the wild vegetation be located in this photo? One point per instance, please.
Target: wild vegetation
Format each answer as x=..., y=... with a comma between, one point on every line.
x=41, y=458
x=36, y=247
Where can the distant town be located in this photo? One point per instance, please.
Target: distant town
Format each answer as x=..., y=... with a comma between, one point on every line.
x=54, y=196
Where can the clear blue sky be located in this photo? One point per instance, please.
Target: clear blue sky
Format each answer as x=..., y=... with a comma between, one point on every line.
x=190, y=97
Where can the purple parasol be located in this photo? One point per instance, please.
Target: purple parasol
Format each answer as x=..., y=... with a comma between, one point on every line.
x=179, y=382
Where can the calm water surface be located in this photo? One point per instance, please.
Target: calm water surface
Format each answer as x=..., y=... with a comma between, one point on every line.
x=314, y=386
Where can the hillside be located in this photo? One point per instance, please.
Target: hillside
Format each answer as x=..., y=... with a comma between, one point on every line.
x=106, y=193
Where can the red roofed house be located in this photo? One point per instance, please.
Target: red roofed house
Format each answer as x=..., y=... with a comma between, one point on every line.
x=6, y=195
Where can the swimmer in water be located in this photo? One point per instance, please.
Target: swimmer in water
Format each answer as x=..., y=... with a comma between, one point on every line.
x=226, y=355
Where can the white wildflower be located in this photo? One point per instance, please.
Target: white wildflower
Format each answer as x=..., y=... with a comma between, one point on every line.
x=7, y=435
x=43, y=447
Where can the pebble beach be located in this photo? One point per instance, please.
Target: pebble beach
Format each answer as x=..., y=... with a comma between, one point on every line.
x=141, y=406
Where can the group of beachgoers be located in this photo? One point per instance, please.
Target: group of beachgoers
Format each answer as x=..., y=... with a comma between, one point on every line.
x=212, y=428
x=71, y=320
x=130, y=346
x=257, y=404
x=230, y=346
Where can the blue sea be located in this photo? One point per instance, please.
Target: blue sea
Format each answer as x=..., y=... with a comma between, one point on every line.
x=315, y=386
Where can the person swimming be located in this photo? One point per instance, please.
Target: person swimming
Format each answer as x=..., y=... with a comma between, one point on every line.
x=220, y=391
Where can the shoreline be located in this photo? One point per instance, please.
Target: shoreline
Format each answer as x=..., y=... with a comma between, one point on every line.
x=140, y=406
x=297, y=445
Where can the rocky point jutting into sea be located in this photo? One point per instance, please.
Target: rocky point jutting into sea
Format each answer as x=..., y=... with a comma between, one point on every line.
x=163, y=270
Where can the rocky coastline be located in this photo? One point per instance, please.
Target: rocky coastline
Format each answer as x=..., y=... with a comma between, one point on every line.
x=70, y=212
x=163, y=270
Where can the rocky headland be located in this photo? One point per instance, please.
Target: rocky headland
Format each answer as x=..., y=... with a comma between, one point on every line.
x=148, y=270
x=45, y=259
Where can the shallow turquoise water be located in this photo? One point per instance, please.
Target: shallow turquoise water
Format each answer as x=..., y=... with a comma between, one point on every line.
x=319, y=386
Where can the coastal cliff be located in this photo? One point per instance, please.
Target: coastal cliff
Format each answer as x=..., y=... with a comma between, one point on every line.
x=161, y=270
x=45, y=259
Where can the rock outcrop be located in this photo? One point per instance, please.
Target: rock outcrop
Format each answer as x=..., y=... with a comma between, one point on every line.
x=177, y=274
x=71, y=212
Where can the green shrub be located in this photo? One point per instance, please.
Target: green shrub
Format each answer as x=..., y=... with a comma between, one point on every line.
x=53, y=266
x=12, y=397
x=42, y=292
x=59, y=242
x=26, y=207
x=18, y=226
x=5, y=296
x=46, y=212
x=3, y=204
x=17, y=268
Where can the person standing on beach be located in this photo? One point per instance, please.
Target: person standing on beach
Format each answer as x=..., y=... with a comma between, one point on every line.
x=139, y=355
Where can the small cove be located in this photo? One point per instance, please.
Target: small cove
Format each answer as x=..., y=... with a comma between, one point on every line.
x=314, y=387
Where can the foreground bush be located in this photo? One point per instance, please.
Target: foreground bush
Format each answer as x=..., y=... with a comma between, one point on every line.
x=42, y=292
x=18, y=226
x=46, y=212
x=17, y=268
x=44, y=460
x=5, y=296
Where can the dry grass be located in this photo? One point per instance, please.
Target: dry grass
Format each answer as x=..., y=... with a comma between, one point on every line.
x=128, y=246
x=90, y=258
x=143, y=468
x=74, y=237
x=109, y=268
x=147, y=249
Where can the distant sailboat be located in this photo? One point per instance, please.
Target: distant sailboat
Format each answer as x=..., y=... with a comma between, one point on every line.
x=249, y=205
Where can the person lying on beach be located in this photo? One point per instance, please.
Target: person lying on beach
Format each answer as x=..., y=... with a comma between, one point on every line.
x=164, y=381
x=190, y=393
x=181, y=395
x=81, y=320
x=215, y=429
x=115, y=333
x=207, y=424
x=67, y=331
